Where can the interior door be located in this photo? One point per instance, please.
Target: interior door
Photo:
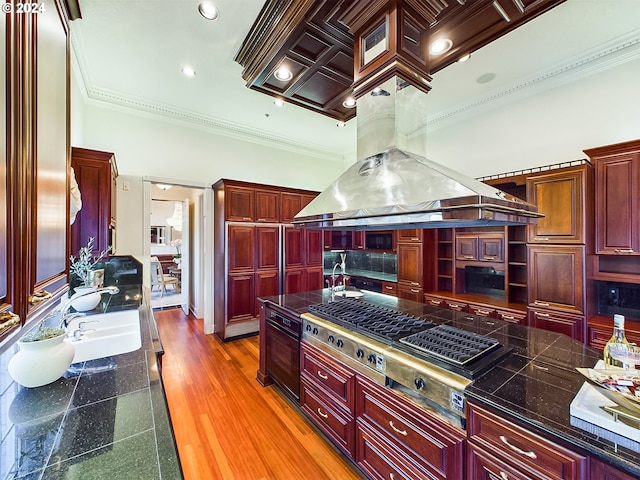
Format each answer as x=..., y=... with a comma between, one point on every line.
x=186, y=258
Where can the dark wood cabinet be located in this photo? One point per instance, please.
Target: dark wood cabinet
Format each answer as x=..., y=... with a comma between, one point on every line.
x=313, y=248
x=267, y=283
x=559, y=322
x=95, y=172
x=497, y=445
x=409, y=292
x=617, y=191
x=267, y=206
x=557, y=277
x=239, y=203
x=267, y=247
x=562, y=198
x=410, y=264
x=358, y=240
x=242, y=241
x=290, y=205
x=294, y=248
x=480, y=247
x=410, y=235
x=242, y=298
x=390, y=288
x=601, y=471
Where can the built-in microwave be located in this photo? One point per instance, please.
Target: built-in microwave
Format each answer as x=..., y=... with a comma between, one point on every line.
x=379, y=240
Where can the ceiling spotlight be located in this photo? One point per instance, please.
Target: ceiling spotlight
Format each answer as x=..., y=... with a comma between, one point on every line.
x=349, y=102
x=379, y=92
x=464, y=58
x=188, y=71
x=208, y=10
x=163, y=186
x=283, y=74
x=340, y=124
x=440, y=46
x=278, y=102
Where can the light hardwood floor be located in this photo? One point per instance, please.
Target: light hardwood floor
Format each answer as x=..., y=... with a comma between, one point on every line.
x=227, y=426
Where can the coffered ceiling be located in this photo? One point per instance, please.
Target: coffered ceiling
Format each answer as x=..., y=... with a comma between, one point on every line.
x=130, y=53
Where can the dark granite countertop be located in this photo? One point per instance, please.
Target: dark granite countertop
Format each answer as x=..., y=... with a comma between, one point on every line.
x=105, y=418
x=533, y=385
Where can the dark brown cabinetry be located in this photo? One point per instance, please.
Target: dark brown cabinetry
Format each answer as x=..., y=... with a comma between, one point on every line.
x=267, y=206
x=487, y=247
x=617, y=198
x=327, y=396
x=95, y=173
x=358, y=240
x=34, y=221
x=408, y=439
x=239, y=204
x=501, y=449
x=303, y=260
x=410, y=271
x=290, y=205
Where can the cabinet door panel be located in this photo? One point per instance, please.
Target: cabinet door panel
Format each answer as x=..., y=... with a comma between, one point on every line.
x=466, y=248
x=267, y=239
x=409, y=292
x=290, y=205
x=556, y=277
x=617, y=205
x=560, y=197
x=294, y=281
x=491, y=249
x=410, y=264
x=314, y=248
x=266, y=285
x=293, y=248
x=241, y=241
x=571, y=325
x=267, y=206
x=314, y=278
x=410, y=235
x=239, y=203
x=241, y=298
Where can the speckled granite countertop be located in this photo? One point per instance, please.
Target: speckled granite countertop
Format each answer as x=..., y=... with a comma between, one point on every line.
x=533, y=385
x=106, y=418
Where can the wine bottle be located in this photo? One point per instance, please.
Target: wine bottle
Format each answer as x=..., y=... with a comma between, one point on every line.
x=617, y=337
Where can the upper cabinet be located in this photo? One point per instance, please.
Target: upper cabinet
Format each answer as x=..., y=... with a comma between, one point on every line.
x=96, y=173
x=34, y=220
x=239, y=203
x=481, y=247
x=617, y=198
x=562, y=197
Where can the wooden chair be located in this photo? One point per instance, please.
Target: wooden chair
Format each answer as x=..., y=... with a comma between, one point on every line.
x=161, y=280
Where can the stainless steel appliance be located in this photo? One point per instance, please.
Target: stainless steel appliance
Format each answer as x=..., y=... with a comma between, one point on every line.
x=283, y=351
x=431, y=363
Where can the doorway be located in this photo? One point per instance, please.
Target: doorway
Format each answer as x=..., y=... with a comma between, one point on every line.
x=176, y=237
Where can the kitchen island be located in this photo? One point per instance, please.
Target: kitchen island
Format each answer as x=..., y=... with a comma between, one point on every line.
x=531, y=387
x=105, y=418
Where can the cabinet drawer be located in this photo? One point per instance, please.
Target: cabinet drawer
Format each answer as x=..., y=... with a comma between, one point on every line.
x=484, y=466
x=390, y=288
x=511, y=316
x=517, y=446
x=328, y=374
x=435, y=301
x=571, y=325
x=457, y=306
x=379, y=460
x=333, y=420
x=429, y=442
x=482, y=311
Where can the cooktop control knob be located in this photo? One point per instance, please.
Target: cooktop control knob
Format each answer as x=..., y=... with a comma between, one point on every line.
x=315, y=330
x=360, y=353
x=339, y=343
x=371, y=358
x=419, y=382
x=308, y=328
x=330, y=338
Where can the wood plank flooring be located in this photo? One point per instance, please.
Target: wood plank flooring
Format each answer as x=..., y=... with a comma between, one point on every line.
x=227, y=426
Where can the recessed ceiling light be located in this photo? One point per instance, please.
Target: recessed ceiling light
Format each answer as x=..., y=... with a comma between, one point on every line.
x=208, y=10
x=188, y=71
x=464, y=58
x=163, y=186
x=340, y=124
x=283, y=74
x=349, y=102
x=278, y=102
x=440, y=46
x=486, y=78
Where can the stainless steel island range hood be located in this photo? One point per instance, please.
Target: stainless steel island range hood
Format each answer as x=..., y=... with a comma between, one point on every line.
x=389, y=187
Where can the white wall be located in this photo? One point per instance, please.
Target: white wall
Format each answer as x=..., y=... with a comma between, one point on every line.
x=551, y=128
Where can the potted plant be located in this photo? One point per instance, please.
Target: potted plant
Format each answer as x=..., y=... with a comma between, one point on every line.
x=82, y=268
x=43, y=356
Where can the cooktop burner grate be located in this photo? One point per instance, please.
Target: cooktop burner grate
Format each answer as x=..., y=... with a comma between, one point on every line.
x=451, y=343
x=381, y=321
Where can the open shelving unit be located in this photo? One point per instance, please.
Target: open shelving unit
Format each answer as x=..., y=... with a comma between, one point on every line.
x=517, y=274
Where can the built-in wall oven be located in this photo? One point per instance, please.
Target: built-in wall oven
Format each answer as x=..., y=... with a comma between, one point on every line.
x=282, y=335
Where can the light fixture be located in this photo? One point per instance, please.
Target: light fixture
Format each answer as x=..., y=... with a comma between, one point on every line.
x=349, y=102
x=440, y=46
x=208, y=10
x=464, y=58
x=163, y=186
x=188, y=71
x=341, y=124
x=379, y=92
x=175, y=220
x=278, y=102
x=283, y=74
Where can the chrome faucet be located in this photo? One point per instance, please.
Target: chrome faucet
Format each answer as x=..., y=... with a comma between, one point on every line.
x=343, y=268
x=77, y=333
x=65, y=316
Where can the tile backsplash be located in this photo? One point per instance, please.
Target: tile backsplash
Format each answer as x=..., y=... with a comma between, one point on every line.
x=617, y=297
x=369, y=261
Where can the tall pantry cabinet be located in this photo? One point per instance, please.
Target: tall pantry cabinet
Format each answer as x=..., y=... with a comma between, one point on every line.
x=34, y=171
x=257, y=253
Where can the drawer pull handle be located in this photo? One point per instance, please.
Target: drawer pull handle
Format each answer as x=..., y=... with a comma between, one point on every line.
x=392, y=476
x=415, y=283
x=544, y=369
x=541, y=304
x=624, y=250
x=508, y=317
x=545, y=315
x=323, y=415
x=468, y=256
x=541, y=239
x=516, y=449
x=322, y=376
x=388, y=287
x=434, y=302
x=479, y=311
x=489, y=257
x=393, y=427
x=415, y=290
